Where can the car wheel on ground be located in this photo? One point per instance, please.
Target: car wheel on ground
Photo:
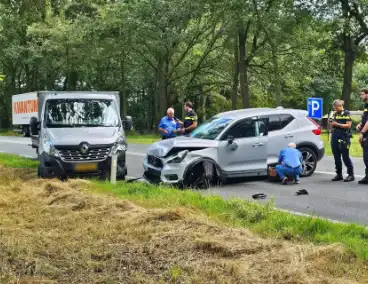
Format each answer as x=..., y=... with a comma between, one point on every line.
x=309, y=161
x=200, y=176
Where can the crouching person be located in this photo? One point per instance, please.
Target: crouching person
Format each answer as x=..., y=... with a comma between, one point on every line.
x=290, y=164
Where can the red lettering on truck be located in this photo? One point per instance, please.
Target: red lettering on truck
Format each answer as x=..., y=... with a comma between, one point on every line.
x=28, y=106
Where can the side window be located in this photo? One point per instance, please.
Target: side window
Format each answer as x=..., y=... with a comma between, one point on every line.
x=243, y=129
x=274, y=123
x=286, y=119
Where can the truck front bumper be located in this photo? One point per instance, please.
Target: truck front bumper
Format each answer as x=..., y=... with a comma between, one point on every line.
x=51, y=167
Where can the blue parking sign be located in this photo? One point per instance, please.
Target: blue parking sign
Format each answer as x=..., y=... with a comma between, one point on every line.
x=315, y=107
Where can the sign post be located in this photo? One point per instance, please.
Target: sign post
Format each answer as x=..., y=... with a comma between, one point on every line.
x=315, y=107
x=114, y=164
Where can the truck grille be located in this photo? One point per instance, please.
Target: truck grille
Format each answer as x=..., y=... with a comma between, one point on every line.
x=98, y=154
x=154, y=161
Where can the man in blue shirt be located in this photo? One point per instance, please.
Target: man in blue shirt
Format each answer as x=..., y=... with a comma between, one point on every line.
x=290, y=164
x=169, y=125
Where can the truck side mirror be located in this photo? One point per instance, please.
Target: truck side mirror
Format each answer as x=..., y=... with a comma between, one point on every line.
x=34, y=125
x=128, y=123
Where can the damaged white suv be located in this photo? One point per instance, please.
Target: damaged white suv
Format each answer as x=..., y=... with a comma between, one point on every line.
x=234, y=144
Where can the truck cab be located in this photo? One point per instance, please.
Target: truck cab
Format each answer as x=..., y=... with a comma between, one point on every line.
x=76, y=134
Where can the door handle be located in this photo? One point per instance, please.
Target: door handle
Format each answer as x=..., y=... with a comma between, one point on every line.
x=289, y=136
x=258, y=144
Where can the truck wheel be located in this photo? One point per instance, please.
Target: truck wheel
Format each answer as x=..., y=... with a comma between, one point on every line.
x=25, y=131
x=39, y=172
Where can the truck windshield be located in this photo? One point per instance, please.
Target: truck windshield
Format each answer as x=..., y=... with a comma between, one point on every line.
x=81, y=113
x=211, y=128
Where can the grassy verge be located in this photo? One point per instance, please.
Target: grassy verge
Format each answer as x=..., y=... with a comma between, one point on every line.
x=8, y=132
x=142, y=138
x=58, y=232
x=13, y=161
x=262, y=219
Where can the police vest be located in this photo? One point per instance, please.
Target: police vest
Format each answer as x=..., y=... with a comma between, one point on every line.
x=342, y=118
x=365, y=115
x=190, y=117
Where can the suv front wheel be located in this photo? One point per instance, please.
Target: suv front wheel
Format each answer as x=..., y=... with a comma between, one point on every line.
x=309, y=161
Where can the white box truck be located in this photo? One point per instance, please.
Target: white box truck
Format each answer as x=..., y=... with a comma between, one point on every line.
x=24, y=106
x=75, y=133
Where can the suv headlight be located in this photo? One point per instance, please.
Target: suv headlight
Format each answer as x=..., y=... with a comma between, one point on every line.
x=119, y=146
x=178, y=158
x=48, y=147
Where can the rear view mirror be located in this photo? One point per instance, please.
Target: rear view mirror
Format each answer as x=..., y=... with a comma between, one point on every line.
x=128, y=123
x=34, y=125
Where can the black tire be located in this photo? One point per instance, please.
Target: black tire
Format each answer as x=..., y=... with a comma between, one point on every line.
x=309, y=161
x=39, y=172
x=198, y=177
x=25, y=131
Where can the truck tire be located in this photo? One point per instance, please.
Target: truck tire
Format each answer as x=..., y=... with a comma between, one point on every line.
x=25, y=131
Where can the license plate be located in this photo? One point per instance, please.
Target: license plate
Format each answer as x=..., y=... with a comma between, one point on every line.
x=86, y=167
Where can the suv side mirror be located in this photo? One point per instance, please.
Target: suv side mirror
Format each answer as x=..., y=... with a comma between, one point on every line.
x=34, y=125
x=128, y=123
x=230, y=140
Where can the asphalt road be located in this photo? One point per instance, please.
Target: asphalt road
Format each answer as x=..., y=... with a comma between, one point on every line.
x=338, y=201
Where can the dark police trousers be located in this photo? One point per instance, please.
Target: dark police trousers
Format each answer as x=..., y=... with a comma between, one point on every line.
x=365, y=153
x=340, y=144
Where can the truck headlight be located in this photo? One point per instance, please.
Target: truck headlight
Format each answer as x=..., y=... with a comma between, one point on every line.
x=178, y=158
x=48, y=147
x=119, y=146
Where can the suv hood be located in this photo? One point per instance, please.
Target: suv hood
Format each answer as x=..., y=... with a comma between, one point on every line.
x=91, y=135
x=162, y=148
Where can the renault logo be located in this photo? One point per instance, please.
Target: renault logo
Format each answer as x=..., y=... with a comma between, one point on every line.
x=84, y=149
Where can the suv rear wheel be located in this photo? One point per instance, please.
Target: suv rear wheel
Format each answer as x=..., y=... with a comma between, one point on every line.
x=309, y=161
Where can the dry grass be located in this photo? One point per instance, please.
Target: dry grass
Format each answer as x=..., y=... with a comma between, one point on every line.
x=53, y=232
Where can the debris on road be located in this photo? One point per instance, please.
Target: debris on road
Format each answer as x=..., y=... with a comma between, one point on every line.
x=259, y=196
x=302, y=192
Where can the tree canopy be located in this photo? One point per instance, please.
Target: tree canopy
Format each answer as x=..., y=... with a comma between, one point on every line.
x=220, y=55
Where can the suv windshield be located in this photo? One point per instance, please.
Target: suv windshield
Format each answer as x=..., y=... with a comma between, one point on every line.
x=211, y=128
x=81, y=113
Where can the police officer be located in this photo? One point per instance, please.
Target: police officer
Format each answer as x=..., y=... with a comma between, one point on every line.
x=191, y=120
x=362, y=127
x=340, y=140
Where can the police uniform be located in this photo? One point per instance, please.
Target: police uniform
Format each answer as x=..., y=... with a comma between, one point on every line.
x=340, y=144
x=190, y=118
x=365, y=145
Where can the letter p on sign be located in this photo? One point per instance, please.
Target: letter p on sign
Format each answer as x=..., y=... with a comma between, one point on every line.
x=315, y=107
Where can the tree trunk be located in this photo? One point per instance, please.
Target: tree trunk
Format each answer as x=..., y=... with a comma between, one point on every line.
x=123, y=98
x=234, y=95
x=276, y=73
x=349, y=56
x=162, y=86
x=348, y=74
x=243, y=68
